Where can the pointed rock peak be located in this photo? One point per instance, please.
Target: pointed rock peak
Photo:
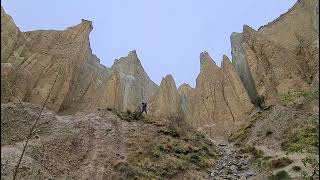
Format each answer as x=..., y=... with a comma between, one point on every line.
x=247, y=28
x=168, y=81
x=225, y=61
x=168, y=77
x=183, y=88
x=87, y=22
x=85, y=27
x=133, y=53
x=132, y=56
x=206, y=60
x=185, y=85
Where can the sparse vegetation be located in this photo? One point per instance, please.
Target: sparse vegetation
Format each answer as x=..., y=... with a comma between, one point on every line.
x=172, y=149
x=243, y=132
x=128, y=115
x=302, y=139
x=311, y=161
x=272, y=163
x=281, y=175
x=262, y=162
x=291, y=96
x=296, y=168
x=256, y=153
x=279, y=163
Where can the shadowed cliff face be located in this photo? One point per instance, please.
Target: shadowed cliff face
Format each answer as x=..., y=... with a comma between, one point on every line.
x=282, y=56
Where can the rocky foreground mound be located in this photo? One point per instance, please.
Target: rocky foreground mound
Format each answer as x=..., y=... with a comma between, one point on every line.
x=105, y=144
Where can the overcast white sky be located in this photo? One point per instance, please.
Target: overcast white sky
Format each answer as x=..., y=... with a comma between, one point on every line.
x=168, y=35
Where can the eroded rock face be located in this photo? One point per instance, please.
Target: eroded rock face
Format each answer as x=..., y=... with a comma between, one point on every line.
x=300, y=20
x=282, y=55
x=136, y=86
x=166, y=102
x=124, y=89
x=235, y=94
x=9, y=35
x=186, y=92
x=219, y=101
x=33, y=60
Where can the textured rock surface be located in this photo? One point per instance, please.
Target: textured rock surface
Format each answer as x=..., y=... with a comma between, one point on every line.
x=166, y=102
x=98, y=145
x=219, y=101
x=186, y=92
x=125, y=88
x=282, y=56
x=235, y=94
x=136, y=85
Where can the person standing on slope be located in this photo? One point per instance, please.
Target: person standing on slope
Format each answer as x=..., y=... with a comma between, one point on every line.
x=144, y=108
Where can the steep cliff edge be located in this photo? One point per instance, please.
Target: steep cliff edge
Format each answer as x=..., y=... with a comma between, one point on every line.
x=281, y=56
x=220, y=100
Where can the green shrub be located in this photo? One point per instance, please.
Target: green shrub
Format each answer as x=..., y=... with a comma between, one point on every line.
x=169, y=131
x=262, y=162
x=279, y=163
x=253, y=151
x=296, y=168
x=194, y=158
x=281, y=175
x=270, y=163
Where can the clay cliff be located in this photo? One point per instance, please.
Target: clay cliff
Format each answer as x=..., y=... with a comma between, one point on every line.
x=281, y=56
x=31, y=61
x=186, y=92
x=220, y=100
x=166, y=102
